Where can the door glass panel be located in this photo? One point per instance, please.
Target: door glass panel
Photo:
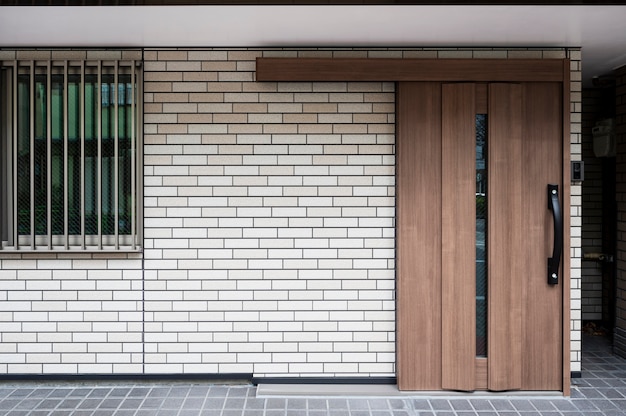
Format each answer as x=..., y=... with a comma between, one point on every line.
x=481, y=235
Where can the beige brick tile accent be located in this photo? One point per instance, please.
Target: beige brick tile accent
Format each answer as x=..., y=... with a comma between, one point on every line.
x=235, y=76
x=153, y=108
x=245, y=128
x=183, y=66
x=299, y=118
x=378, y=98
x=281, y=128
x=335, y=118
x=229, y=118
x=172, y=128
x=153, y=66
x=250, y=108
x=454, y=54
x=244, y=55
x=384, y=54
x=419, y=54
x=104, y=54
x=531, y=54
x=225, y=87
x=196, y=118
x=315, y=128
x=171, y=98
x=206, y=97
x=199, y=76
x=8, y=55
x=157, y=87
x=294, y=87
x=208, y=55
x=171, y=55
x=319, y=108
x=348, y=53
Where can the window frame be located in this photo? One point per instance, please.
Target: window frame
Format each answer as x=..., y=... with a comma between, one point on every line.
x=126, y=73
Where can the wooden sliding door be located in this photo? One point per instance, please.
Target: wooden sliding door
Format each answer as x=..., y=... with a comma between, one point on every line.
x=476, y=310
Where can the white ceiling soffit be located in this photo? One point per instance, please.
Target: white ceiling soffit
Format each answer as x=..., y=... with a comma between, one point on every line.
x=599, y=30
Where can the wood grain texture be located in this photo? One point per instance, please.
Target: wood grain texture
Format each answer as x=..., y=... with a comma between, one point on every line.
x=506, y=268
x=482, y=374
x=565, y=265
x=419, y=235
x=383, y=69
x=458, y=185
x=542, y=308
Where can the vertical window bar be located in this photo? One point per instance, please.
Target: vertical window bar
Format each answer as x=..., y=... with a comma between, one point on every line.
x=65, y=161
x=32, y=106
x=49, y=154
x=99, y=158
x=132, y=155
x=139, y=157
x=115, y=155
x=15, y=109
x=82, y=154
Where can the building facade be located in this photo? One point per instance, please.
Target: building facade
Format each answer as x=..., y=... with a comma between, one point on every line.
x=265, y=239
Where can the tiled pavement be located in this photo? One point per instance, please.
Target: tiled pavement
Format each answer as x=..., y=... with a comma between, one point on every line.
x=602, y=391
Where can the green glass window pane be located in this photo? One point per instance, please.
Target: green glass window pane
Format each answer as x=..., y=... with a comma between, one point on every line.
x=56, y=161
x=40, y=153
x=481, y=235
x=23, y=155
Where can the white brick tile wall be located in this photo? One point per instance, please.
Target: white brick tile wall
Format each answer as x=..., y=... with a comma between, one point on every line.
x=268, y=233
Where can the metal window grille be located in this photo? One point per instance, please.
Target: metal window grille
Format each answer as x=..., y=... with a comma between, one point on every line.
x=70, y=166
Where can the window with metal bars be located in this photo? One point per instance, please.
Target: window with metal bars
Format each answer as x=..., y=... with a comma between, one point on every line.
x=70, y=171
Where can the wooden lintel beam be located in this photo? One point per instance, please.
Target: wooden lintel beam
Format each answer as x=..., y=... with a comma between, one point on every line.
x=383, y=69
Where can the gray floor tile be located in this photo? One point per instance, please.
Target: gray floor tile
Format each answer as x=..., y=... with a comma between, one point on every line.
x=152, y=403
x=234, y=403
x=337, y=404
x=522, y=405
x=217, y=391
x=338, y=412
x=131, y=403
x=189, y=412
x=276, y=404
x=380, y=413
x=482, y=404
x=317, y=404
x=543, y=405
x=173, y=403
x=123, y=412
x=210, y=412
x=358, y=404
x=119, y=392
x=214, y=403
x=397, y=404
x=232, y=412
x=378, y=404
x=502, y=405
x=199, y=391
x=252, y=412
x=461, y=404
x=440, y=405
x=421, y=404
x=601, y=393
x=195, y=403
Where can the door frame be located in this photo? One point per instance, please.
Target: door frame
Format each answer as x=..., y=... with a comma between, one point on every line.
x=441, y=70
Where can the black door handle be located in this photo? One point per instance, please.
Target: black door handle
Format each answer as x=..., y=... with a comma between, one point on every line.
x=555, y=260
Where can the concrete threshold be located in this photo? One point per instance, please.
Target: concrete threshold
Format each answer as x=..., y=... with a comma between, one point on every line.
x=381, y=390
